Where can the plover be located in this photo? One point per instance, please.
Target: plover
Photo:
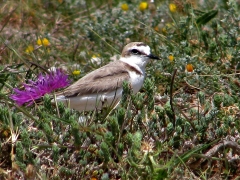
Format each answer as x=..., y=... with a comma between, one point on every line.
x=103, y=87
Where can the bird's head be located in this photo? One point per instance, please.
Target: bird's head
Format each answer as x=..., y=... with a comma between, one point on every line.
x=137, y=53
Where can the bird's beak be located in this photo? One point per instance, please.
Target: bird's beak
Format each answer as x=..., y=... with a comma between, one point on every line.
x=151, y=56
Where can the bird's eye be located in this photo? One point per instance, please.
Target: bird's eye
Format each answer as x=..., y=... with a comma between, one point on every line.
x=135, y=51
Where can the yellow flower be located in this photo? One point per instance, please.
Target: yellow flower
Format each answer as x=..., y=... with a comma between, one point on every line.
x=95, y=173
x=76, y=72
x=29, y=49
x=189, y=68
x=124, y=7
x=171, y=58
x=44, y=42
x=166, y=28
x=143, y=6
x=5, y=133
x=48, y=50
x=229, y=57
x=96, y=59
x=95, y=55
x=169, y=25
x=172, y=7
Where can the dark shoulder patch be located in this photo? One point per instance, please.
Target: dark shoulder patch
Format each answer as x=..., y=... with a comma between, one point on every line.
x=132, y=68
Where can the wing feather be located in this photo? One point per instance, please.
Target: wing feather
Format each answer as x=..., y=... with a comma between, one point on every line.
x=112, y=74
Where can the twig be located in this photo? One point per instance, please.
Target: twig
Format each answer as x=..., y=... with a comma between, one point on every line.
x=188, y=120
x=217, y=149
x=223, y=145
x=38, y=65
x=171, y=97
x=209, y=75
x=124, y=122
x=8, y=18
x=103, y=40
x=75, y=51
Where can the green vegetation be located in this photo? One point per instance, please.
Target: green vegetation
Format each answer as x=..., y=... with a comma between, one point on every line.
x=183, y=124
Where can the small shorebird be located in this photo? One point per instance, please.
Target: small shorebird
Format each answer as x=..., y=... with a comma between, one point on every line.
x=103, y=87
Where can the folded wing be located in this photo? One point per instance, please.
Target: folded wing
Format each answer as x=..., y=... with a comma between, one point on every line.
x=105, y=79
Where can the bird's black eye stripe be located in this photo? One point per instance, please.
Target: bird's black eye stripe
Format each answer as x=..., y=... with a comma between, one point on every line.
x=135, y=51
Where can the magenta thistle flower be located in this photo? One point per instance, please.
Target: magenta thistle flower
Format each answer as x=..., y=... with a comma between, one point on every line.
x=34, y=90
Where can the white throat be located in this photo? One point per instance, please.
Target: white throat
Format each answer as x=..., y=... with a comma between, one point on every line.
x=137, y=62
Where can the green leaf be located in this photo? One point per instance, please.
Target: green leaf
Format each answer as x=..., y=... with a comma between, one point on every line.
x=206, y=17
x=160, y=174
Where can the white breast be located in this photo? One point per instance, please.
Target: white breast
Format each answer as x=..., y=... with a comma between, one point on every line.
x=139, y=64
x=136, y=81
